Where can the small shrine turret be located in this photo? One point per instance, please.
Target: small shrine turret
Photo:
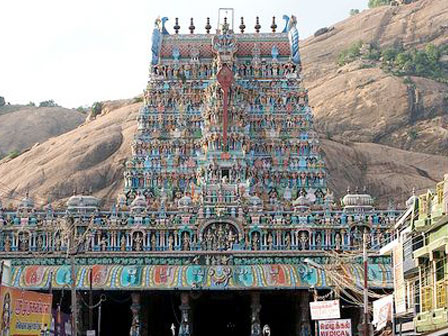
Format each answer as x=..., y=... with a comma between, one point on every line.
x=82, y=205
x=357, y=202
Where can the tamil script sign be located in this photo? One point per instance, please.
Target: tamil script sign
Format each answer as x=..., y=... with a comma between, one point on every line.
x=324, y=310
x=335, y=327
x=24, y=313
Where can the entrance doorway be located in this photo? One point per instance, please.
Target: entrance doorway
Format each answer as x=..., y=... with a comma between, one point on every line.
x=221, y=314
x=278, y=311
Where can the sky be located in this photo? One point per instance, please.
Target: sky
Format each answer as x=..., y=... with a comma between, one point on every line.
x=77, y=52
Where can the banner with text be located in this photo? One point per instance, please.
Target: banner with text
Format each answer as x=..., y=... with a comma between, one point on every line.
x=324, y=310
x=382, y=311
x=24, y=313
x=335, y=327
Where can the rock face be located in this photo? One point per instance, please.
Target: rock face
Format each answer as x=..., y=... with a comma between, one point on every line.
x=376, y=130
x=92, y=157
x=359, y=104
x=23, y=126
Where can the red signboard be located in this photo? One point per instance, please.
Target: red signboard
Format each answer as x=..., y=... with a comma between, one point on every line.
x=335, y=327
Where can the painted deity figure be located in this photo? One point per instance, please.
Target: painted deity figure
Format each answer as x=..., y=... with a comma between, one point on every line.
x=7, y=244
x=186, y=242
x=338, y=241
x=123, y=243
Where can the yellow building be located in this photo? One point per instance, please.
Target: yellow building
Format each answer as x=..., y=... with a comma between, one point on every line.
x=431, y=222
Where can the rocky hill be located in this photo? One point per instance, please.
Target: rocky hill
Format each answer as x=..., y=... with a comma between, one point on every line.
x=23, y=126
x=360, y=101
x=378, y=129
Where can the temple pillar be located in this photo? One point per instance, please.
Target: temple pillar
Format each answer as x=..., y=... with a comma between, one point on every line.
x=135, y=309
x=303, y=326
x=255, y=327
x=185, y=328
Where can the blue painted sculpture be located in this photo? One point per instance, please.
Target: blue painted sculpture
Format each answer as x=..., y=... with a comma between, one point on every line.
x=293, y=35
x=156, y=41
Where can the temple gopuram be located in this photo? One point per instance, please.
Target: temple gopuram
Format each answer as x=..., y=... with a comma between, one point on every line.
x=225, y=225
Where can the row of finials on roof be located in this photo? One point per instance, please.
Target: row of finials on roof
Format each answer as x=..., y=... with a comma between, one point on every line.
x=208, y=26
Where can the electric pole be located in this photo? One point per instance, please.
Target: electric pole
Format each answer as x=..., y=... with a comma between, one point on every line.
x=366, y=297
x=90, y=299
x=74, y=307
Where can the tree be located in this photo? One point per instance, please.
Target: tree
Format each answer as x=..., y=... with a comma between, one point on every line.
x=2, y=101
x=48, y=103
x=354, y=11
x=31, y=104
x=378, y=3
x=97, y=107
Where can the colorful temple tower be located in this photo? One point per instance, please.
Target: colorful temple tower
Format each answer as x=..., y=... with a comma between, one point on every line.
x=225, y=207
x=226, y=125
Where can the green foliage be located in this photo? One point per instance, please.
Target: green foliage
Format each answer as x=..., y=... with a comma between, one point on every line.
x=359, y=50
x=31, y=104
x=378, y=3
x=354, y=11
x=13, y=154
x=400, y=62
x=349, y=55
x=82, y=109
x=138, y=99
x=423, y=63
x=412, y=133
x=2, y=101
x=372, y=52
x=48, y=103
x=97, y=107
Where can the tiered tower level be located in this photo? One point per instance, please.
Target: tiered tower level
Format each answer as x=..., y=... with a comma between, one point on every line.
x=226, y=123
x=225, y=189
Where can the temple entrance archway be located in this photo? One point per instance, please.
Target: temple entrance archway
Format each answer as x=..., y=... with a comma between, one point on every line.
x=279, y=311
x=221, y=314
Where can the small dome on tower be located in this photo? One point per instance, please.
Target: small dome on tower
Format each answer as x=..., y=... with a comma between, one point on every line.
x=26, y=203
x=184, y=202
x=359, y=201
x=81, y=202
x=139, y=203
x=301, y=203
x=255, y=201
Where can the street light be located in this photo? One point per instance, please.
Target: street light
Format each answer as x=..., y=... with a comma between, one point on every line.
x=312, y=263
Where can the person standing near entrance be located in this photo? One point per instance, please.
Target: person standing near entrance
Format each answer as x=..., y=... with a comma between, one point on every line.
x=266, y=330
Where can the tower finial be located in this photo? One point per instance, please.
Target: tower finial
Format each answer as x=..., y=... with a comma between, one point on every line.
x=192, y=27
x=273, y=25
x=176, y=26
x=208, y=26
x=257, y=24
x=242, y=26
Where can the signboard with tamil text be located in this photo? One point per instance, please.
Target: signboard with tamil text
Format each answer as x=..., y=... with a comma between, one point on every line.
x=335, y=327
x=24, y=313
x=324, y=310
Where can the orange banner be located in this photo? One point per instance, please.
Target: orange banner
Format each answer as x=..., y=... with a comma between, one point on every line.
x=24, y=313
